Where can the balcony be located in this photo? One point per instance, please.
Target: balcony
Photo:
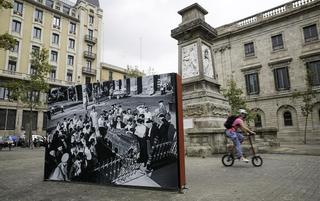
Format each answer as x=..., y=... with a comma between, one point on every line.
x=17, y=13
x=90, y=39
x=89, y=71
x=89, y=55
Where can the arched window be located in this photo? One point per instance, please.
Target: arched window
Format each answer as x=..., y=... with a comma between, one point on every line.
x=287, y=118
x=257, y=121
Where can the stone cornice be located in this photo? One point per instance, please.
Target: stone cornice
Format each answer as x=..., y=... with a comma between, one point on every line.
x=197, y=24
x=52, y=10
x=280, y=61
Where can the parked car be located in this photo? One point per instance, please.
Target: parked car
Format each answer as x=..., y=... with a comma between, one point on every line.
x=38, y=140
x=6, y=142
x=55, y=109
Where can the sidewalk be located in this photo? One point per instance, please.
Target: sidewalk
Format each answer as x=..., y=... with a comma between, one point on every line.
x=295, y=149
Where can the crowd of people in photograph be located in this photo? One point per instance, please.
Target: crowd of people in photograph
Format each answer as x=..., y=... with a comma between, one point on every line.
x=77, y=145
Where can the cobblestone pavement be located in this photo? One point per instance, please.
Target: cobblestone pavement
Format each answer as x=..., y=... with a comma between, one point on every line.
x=281, y=178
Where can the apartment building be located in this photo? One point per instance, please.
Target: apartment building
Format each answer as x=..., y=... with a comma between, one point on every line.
x=70, y=31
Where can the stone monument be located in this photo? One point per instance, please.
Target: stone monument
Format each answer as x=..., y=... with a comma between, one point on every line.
x=205, y=109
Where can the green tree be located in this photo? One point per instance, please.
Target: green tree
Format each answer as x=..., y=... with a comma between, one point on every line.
x=5, y=4
x=28, y=91
x=6, y=40
x=134, y=71
x=236, y=99
x=308, y=99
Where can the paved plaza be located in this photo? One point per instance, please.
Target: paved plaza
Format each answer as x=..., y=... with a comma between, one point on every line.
x=282, y=177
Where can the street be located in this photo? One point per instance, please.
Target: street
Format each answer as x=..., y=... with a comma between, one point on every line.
x=282, y=177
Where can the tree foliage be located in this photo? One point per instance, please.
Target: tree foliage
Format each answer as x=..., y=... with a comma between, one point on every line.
x=6, y=40
x=27, y=91
x=134, y=71
x=236, y=99
x=5, y=4
x=308, y=99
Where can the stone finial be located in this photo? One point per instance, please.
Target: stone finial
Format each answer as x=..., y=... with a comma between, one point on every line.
x=192, y=12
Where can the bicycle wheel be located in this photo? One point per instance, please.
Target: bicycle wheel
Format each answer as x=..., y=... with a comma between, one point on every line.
x=257, y=161
x=227, y=160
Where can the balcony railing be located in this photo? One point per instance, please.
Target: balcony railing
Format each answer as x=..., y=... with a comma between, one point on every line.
x=90, y=39
x=267, y=15
x=24, y=76
x=89, y=55
x=89, y=71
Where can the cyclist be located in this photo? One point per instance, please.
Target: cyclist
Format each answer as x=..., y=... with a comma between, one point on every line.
x=237, y=137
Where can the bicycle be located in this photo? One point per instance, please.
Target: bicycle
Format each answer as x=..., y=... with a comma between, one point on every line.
x=229, y=158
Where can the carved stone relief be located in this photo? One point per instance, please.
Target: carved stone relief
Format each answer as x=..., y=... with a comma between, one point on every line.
x=190, y=67
x=207, y=61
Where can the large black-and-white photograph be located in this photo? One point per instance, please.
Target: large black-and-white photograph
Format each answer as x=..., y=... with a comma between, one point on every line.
x=121, y=132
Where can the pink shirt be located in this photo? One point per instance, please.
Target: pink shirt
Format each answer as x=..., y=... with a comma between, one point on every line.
x=236, y=124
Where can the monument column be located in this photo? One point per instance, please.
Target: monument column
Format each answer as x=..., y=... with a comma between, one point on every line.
x=205, y=109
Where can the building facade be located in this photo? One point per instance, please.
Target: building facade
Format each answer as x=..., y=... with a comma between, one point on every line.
x=112, y=72
x=268, y=55
x=71, y=32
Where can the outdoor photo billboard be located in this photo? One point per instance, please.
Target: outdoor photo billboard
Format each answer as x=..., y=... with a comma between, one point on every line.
x=120, y=132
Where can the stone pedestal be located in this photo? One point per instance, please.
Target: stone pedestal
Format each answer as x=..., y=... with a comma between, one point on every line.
x=205, y=109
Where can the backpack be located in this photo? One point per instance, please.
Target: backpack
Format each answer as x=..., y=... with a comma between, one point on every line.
x=229, y=122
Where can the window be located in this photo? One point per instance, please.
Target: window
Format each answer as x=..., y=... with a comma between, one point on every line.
x=45, y=121
x=69, y=76
x=258, y=121
x=72, y=28
x=16, y=26
x=4, y=93
x=88, y=80
x=252, y=83
x=277, y=42
x=35, y=48
x=49, y=3
x=8, y=119
x=56, y=22
x=90, y=48
x=55, y=39
x=281, y=77
x=287, y=118
x=53, y=74
x=17, y=8
x=71, y=43
x=314, y=70
x=16, y=48
x=66, y=10
x=110, y=75
x=90, y=33
x=89, y=64
x=26, y=119
x=38, y=15
x=36, y=33
x=32, y=70
x=249, y=49
x=70, y=60
x=310, y=33
x=12, y=66
x=54, y=56
x=91, y=19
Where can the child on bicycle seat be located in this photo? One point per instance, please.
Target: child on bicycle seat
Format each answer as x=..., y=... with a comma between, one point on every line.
x=237, y=137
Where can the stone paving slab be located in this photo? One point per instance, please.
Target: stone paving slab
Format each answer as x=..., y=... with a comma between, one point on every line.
x=281, y=178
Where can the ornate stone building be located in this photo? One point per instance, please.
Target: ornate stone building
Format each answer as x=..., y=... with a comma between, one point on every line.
x=72, y=34
x=268, y=55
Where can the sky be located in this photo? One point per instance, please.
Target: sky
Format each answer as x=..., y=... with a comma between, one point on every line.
x=137, y=32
